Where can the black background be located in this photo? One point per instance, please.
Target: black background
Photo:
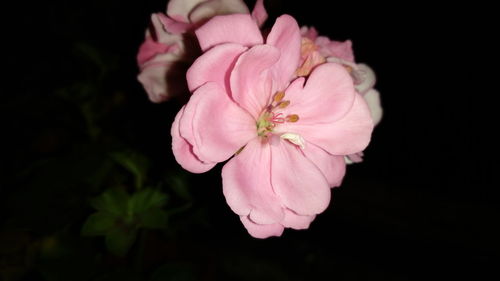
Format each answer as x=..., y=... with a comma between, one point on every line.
x=421, y=206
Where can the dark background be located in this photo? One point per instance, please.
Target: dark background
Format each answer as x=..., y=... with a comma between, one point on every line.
x=421, y=206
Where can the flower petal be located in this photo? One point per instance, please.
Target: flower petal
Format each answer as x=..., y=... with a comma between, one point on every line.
x=285, y=35
x=237, y=28
x=299, y=184
x=251, y=82
x=327, y=96
x=332, y=166
x=292, y=220
x=372, y=98
x=262, y=231
x=180, y=9
x=209, y=9
x=183, y=151
x=259, y=13
x=215, y=137
x=349, y=135
x=215, y=65
x=247, y=186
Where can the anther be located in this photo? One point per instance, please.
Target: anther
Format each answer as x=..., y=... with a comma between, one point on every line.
x=279, y=96
x=284, y=104
x=292, y=118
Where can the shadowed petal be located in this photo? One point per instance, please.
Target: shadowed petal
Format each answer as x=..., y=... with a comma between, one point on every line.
x=180, y=9
x=209, y=9
x=237, y=28
x=372, y=98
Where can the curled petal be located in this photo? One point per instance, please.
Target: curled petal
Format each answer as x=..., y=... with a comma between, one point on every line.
x=247, y=184
x=237, y=28
x=299, y=184
x=183, y=151
x=261, y=231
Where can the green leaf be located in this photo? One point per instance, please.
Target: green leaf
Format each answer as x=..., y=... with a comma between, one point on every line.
x=154, y=218
x=146, y=199
x=114, y=201
x=178, y=184
x=135, y=163
x=98, y=224
x=119, y=241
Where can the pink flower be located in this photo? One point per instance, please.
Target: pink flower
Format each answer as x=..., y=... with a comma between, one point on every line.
x=320, y=49
x=169, y=46
x=285, y=137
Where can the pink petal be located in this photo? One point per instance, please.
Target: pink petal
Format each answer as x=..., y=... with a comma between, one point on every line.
x=332, y=166
x=292, y=220
x=327, y=96
x=183, y=152
x=285, y=35
x=237, y=28
x=251, y=83
x=259, y=13
x=153, y=79
x=148, y=49
x=212, y=8
x=180, y=9
x=349, y=135
x=220, y=127
x=261, y=231
x=246, y=181
x=173, y=26
x=341, y=50
x=299, y=184
x=215, y=65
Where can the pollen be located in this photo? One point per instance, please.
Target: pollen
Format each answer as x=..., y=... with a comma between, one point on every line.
x=284, y=104
x=292, y=118
x=279, y=96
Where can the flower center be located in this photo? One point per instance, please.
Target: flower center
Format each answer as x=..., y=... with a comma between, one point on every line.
x=272, y=117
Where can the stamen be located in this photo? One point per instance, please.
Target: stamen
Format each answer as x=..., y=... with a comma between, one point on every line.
x=292, y=118
x=284, y=104
x=279, y=96
x=277, y=119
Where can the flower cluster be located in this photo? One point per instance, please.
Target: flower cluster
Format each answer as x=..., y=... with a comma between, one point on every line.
x=287, y=109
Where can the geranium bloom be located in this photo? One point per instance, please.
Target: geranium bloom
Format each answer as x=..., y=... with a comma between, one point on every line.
x=169, y=47
x=288, y=136
x=316, y=50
